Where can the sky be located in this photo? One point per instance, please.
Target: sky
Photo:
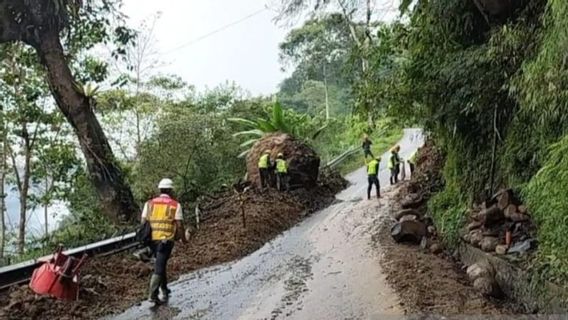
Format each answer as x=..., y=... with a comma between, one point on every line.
x=245, y=52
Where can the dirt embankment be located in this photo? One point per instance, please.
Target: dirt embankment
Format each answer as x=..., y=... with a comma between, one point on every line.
x=112, y=284
x=427, y=283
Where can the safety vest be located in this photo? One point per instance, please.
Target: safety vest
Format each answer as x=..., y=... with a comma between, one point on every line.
x=412, y=158
x=263, y=161
x=281, y=166
x=161, y=215
x=392, y=161
x=372, y=167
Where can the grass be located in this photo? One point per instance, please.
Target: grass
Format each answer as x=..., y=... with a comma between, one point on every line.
x=380, y=146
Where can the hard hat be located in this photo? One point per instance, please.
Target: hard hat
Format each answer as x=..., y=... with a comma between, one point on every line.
x=280, y=154
x=166, y=184
x=267, y=151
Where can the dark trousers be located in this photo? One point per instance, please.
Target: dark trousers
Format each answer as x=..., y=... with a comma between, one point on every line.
x=368, y=152
x=281, y=181
x=394, y=175
x=264, y=177
x=373, y=180
x=411, y=165
x=162, y=250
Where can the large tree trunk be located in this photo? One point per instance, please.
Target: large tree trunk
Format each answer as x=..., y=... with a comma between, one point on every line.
x=3, y=166
x=115, y=195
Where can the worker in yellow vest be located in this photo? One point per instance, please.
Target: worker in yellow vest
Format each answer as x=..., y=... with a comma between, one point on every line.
x=165, y=217
x=412, y=163
x=373, y=176
x=281, y=173
x=264, y=166
x=394, y=165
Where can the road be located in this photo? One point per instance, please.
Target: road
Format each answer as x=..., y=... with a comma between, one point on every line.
x=323, y=268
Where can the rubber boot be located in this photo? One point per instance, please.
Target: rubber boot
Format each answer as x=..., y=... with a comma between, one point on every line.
x=164, y=290
x=155, y=282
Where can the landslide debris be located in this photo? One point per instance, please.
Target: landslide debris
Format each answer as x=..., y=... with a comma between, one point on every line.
x=113, y=283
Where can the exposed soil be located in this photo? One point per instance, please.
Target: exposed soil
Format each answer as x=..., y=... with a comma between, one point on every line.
x=112, y=284
x=428, y=284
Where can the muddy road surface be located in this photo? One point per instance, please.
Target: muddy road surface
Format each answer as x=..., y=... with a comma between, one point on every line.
x=323, y=268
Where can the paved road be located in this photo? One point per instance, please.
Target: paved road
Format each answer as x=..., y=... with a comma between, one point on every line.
x=324, y=268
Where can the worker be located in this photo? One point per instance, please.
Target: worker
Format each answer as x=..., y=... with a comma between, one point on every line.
x=264, y=169
x=373, y=177
x=367, y=143
x=281, y=173
x=412, y=163
x=165, y=217
x=394, y=165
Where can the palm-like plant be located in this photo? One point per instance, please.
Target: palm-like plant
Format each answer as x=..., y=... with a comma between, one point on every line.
x=280, y=120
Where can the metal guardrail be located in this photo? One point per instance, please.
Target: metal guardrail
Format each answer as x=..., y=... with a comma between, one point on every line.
x=337, y=161
x=21, y=273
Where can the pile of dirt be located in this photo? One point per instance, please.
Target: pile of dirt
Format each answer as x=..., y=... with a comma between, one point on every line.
x=113, y=283
x=427, y=178
x=501, y=225
x=303, y=161
x=429, y=284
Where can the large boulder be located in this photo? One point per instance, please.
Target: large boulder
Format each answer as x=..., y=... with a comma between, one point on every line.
x=303, y=161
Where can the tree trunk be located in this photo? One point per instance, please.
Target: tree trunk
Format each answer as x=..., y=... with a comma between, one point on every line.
x=108, y=179
x=24, y=189
x=45, y=209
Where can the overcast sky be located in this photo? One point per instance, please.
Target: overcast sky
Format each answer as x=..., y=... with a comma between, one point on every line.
x=246, y=52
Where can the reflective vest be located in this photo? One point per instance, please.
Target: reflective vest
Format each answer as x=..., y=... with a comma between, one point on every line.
x=161, y=215
x=372, y=167
x=281, y=166
x=412, y=158
x=392, y=161
x=263, y=161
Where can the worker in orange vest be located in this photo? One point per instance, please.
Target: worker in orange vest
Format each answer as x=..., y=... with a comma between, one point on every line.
x=166, y=221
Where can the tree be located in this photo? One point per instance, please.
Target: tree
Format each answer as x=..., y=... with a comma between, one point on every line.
x=40, y=23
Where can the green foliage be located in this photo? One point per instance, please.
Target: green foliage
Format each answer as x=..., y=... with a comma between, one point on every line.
x=546, y=197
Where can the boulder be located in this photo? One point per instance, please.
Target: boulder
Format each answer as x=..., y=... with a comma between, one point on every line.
x=487, y=287
x=501, y=249
x=519, y=217
x=407, y=217
x=436, y=248
x=480, y=269
x=475, y=237
x=303, y=161
x=488, y=244
x=523, y=209
x=474, y=225
x=411, y=231
x=412, y=201
x=407, y=212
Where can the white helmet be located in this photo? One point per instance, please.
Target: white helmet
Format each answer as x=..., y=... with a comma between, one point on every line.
x=166, y=184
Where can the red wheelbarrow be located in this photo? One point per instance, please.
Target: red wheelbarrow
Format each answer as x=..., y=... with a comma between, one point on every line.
x=58, y=277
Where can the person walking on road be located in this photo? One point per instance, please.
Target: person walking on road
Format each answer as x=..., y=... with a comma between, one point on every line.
x=373, y=177
x=281, y=173
x=394, y=165
x=367, y=143
x=264, y=169
x=165, y=217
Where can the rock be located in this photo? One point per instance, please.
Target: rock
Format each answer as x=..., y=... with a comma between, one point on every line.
x=510, y=210
x=436, y=248
x=519, y=217
x=431, y=230
x=487, y=287
x=408, y=217
x=523, y=209
x=475, y=237
x=474, y=225
x=501, y=249
x=407, y=212
x=479, y=270
x=303, y=161
x=491, y=215
x=412, y=201
x=424, y=243
x=488, y=244
x=412, y=231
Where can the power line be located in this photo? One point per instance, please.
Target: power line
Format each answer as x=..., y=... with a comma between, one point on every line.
x=214, y=32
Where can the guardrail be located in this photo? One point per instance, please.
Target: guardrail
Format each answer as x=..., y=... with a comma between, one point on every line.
x=21, y=273
x=337, y=161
